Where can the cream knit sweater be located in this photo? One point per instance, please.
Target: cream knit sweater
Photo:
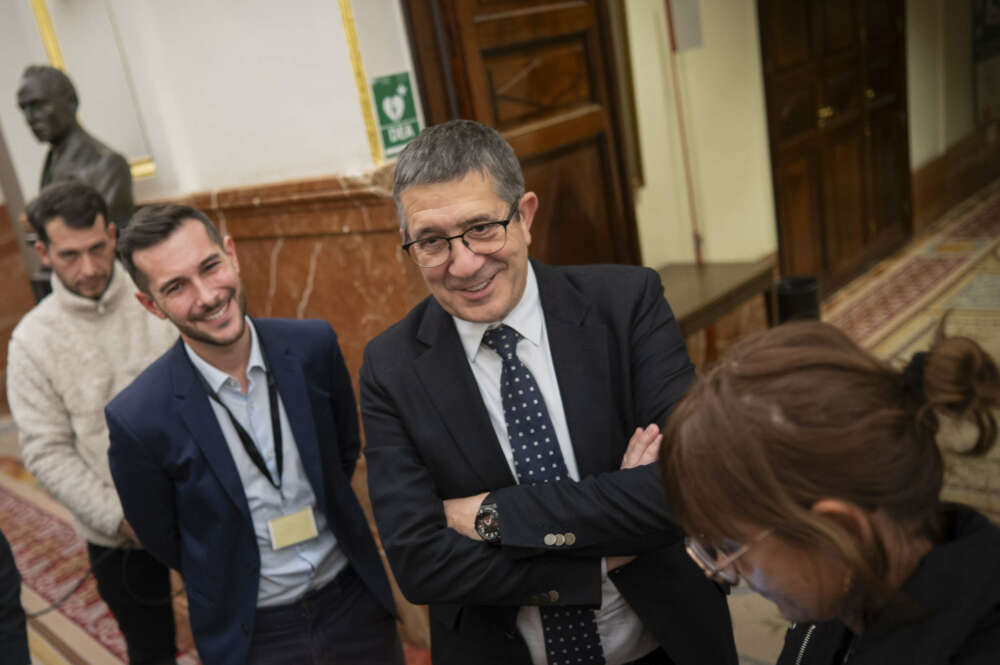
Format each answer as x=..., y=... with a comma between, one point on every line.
x=68, y=357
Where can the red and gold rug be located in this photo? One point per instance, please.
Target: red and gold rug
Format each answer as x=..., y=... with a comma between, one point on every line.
x=52, y=560
x=907, y=283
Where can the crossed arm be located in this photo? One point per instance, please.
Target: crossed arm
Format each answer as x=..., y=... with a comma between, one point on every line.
x=435, y=564
x=643, y=449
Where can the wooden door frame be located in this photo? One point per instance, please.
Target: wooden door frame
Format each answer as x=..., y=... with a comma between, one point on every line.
x=438, y=67
x=878, y=251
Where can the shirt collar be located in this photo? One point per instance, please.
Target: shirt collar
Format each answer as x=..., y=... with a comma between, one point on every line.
x=215, y=377
x=525, y=318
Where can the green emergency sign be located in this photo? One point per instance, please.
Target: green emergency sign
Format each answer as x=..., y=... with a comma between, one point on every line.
x=397, y=111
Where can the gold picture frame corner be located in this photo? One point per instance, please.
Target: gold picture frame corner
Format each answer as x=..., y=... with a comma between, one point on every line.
x=144, y=167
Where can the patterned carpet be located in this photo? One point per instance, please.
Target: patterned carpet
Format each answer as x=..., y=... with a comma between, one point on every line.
x=52, y=559
x=909, y=282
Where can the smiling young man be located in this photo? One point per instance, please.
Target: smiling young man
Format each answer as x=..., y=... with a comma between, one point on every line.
x=233, y=456
x=67, y=358
x=507, y=492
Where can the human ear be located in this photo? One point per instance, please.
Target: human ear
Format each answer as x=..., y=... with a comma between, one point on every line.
x=848, y=516
x=147, y=301
x=527, y=207
x=229, y=246
x=43, y=253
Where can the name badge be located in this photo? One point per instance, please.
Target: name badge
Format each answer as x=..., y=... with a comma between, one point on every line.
x=292, y=529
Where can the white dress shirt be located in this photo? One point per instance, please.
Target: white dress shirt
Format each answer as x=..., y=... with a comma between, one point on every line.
x=623, y=637
x=285, y=574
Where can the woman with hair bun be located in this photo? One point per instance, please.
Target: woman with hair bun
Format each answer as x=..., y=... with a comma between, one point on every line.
x=811, y=470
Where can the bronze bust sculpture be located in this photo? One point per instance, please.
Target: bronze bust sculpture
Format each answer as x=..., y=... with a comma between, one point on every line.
x=49, y=102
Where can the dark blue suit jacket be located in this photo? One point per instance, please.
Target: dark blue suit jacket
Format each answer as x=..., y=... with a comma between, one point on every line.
x=182, y=493
x=620, y=363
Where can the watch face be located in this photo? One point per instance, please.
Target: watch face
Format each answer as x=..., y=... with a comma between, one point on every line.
x=488, y=523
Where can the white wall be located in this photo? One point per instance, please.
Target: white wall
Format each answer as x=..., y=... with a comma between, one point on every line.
x=661, y=205
x=722, y=93
x=939, y=76
x=959, y=91
x=231, y=92
x=237, y=92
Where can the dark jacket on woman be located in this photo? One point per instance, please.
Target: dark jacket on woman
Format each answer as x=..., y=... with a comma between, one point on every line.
x=952, y=609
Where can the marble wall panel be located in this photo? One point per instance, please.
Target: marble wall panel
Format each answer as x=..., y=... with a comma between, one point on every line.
x=324, y=248
x=15, y=295
x=360, y=283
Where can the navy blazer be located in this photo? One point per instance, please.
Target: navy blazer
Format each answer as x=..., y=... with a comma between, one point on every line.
x=182, y=493
x=620, y=363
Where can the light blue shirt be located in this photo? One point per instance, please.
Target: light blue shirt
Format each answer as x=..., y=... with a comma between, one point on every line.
x=285, y=574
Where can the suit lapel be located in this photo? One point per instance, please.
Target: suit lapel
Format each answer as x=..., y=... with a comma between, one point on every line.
x=292, y=386
x=191, y=402
x=445, y=373
x=579, y=350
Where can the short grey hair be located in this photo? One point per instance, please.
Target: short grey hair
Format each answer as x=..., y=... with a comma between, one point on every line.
x=450, y=151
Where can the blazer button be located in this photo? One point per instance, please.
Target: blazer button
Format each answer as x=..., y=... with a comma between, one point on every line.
x=246, y=628
x=560, y=540
x=570, y=538
x=509, y=636
x=554, y=596
x=550, y=539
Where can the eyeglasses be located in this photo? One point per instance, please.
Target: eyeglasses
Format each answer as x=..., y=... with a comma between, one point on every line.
x=480, y=238
x=716, y=563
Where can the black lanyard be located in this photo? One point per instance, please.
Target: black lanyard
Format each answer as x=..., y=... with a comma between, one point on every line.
x=247, y=441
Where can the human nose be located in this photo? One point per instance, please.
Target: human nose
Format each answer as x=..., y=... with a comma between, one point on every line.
x=89, y=265
x=204, y=293
x=464, y=261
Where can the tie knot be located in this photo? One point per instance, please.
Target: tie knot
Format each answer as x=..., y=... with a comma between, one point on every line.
x=503, y=339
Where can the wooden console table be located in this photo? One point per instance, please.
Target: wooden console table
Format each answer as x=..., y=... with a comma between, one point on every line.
x=701, y=295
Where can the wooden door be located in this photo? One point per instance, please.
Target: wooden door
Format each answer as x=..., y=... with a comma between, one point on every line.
x=834, y=80
x=539, y=72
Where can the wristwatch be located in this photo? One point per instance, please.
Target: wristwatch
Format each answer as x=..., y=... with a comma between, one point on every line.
x=488, y=522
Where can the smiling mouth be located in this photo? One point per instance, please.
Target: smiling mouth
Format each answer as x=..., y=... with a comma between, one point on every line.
x=479, y=287
x=476, y=287
x=216, y=314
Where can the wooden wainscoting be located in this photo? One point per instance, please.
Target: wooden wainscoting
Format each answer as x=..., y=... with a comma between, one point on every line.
x=949, y=178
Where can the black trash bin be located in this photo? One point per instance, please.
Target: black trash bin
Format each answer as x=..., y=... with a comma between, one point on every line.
x=798, y=298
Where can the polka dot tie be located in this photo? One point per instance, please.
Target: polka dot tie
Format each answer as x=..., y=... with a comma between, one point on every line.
x=570, y=633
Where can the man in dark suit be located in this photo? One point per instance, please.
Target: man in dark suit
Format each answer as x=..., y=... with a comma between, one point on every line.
x=506, y=490
x=233, y=454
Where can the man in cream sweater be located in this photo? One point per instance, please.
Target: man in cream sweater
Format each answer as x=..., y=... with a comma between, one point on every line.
x=67, y=358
